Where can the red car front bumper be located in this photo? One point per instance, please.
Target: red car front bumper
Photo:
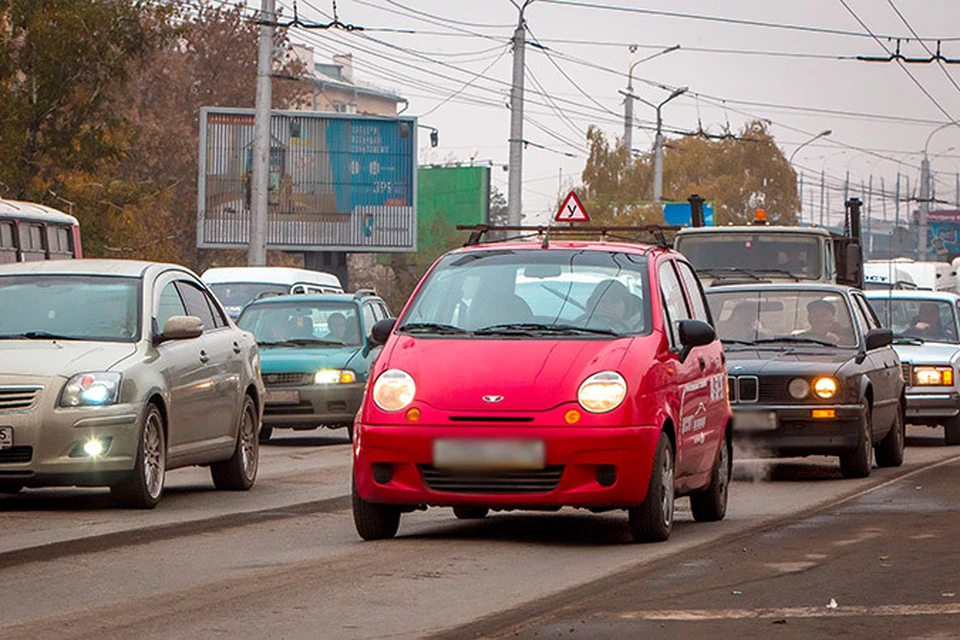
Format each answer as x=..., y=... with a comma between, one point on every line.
x=584, y=467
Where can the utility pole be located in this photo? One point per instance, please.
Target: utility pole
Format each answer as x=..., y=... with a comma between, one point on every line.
x=924, y=208
x=823, y=184
x=658, y=146
x=515, y=177
x=257, y=254
x=800, y=199
x=628, y=101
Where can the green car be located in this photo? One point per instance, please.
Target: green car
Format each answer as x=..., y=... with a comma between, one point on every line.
x=315, y=357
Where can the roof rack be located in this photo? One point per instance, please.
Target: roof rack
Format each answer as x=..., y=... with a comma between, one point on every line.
x=658, y=232
x=363, y=293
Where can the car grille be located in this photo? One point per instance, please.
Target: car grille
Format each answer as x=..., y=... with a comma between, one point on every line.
x=287, y=379
x=18, y=398
x=16, y=454
x=521, y=481
x=743, y=388
x=905, y=372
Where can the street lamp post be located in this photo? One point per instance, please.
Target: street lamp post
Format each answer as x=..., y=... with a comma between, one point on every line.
x=628, y=100
x=658, y=144
x=925, y=194
x=822, y=134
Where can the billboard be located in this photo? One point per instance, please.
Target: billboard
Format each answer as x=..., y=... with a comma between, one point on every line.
x=337, y=182
x=446, y=197
x=678, y=214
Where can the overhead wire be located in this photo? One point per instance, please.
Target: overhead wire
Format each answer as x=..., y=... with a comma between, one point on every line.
x=923, y=44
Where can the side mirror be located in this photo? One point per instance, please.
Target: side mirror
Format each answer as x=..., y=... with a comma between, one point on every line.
x=381, y=331
x=877, y=338
x=694, y=333
x=181, y=328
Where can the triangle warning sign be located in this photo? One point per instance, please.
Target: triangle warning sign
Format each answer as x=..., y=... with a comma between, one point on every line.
x=571, y=210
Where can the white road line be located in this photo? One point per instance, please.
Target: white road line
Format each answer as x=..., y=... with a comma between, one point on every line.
x=688, y=615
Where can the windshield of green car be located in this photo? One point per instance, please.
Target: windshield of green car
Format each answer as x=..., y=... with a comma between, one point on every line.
x=718, y=255
x=302, y=322
x=70, y=307
x=524, y=293
x=916, y=318
x=774, y=316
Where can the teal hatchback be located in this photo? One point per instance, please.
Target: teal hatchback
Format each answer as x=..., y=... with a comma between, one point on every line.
x=315, y=357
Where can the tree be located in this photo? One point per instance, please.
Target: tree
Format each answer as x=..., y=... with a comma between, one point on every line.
x=740, y=173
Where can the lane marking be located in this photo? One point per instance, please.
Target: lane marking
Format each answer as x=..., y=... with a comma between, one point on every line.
x=850, y=611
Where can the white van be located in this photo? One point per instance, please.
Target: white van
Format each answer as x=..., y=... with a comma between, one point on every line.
x=936, y=276
x=236, y=287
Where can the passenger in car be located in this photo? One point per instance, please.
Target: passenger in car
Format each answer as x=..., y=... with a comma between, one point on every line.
x=337, y=325
x=610, y=306
x=743, y=323
x=927, y=323
x=822, y=316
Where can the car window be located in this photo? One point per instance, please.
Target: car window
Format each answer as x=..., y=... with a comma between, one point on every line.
x=215, y=312
x=929, y=320
x=168, y=305
x=694, y=292
x=196, y=303
x=673, y=298
x=871, y=318
x=369, y=318
x=303, y=321
x=385, y=312
x=861, y=316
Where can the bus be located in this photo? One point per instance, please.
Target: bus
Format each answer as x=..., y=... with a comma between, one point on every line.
x=31, y=231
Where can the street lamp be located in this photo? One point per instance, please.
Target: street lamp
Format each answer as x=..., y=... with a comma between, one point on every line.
x=658, y=143
x=628, y=102
x=822, y=134
x=925, y=193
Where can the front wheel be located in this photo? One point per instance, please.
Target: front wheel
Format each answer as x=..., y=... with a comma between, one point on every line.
x=143, y=487
x=374, y=521
x=265, y=433
x=710, y=504
x=951, y=432
x=240, y=471
x=652, y=520
x=856, y=462
x=889, y=451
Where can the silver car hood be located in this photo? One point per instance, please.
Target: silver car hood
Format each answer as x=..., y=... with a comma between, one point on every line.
x=928, y=353
x=48, y=358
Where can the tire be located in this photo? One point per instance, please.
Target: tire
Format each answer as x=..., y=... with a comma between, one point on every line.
x=265, y=433
x=470, y=513
x=350, y=432
x=710, y=504
x=374, y=521
x=143, y=487
x=951, y=432
x=856, y=462
x=889, y=451
x=652, y=520
x=240, y=471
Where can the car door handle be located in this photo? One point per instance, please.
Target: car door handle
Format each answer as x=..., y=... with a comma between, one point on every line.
x=204, y=358
x=703, y=364
x=236, y=348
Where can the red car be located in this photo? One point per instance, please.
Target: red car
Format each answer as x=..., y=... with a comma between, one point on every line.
x=523, y=375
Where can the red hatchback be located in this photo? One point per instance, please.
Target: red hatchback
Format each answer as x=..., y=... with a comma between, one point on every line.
x=526, y=376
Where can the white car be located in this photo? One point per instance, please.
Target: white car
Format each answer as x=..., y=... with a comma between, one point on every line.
x=236, y=287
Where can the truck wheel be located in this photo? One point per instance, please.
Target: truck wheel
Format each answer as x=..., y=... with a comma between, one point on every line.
x=710, y=504
x=374, y=521
x=889, y=451
x=951, y=432
x=652, y=520
x=856, y=462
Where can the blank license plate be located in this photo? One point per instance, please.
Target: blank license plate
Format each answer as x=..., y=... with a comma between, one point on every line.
x=755, y=420
x=6, y=437
x=283, y=397
x=489, y=454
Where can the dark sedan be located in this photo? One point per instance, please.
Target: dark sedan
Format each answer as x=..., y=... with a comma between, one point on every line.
x=811, y=371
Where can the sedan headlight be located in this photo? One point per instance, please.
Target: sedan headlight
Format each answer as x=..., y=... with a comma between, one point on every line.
x=933, y=376
x=825, y=387
x=334, y=376
x=91, y=389
x=394, y=390
x=799, y=388
x=602, y=392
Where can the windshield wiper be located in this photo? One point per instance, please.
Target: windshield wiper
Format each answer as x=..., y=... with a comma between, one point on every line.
x=902, y=339
x=796, y=339
x=514, y=328
x=795, y=277
x=720, y=272
x=431, y=327
x=301, y=341
x=730, y=341
x=37, y=335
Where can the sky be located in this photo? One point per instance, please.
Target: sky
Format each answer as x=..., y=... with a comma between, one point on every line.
x=791, y=63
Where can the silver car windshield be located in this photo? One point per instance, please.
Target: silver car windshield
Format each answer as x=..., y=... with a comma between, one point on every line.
x=70, y=307
x=782, y=316
x=540, y=294
x=928, y=320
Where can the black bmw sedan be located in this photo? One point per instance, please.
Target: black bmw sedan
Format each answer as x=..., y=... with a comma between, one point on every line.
x=810, y=372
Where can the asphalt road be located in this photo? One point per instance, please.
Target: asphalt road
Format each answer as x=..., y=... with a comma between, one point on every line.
x=284, y=561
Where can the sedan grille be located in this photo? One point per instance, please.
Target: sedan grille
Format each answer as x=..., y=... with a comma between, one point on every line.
x=16, y=454
x=494, y=482
x=18, y=398
x=743, y=388
x=287, y=379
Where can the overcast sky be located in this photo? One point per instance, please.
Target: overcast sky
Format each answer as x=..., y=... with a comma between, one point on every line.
x=455, y=69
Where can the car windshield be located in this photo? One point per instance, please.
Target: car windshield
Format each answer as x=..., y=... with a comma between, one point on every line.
x=718, y=255
x=240, y=294
x=774, y=316
x=302, y=323
x=70, y=307
x=525, y=293
x=927, y=320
